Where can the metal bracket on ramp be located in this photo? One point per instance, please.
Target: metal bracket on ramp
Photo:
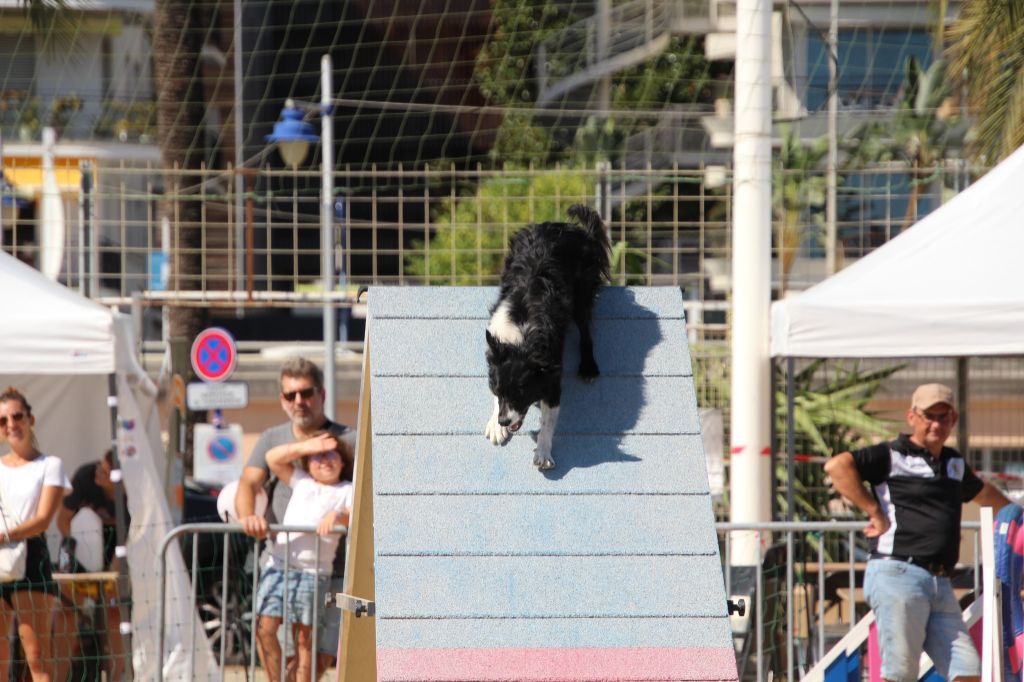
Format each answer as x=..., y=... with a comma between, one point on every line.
x=357, y=605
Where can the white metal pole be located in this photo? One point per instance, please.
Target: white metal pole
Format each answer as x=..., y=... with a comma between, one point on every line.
x=991, y=637
x=326, y=227
x=831, y=232
x=751, y=278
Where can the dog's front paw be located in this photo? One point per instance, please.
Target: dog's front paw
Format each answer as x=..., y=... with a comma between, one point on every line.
x=542, y=460
x=588, y=372
x=495, y=432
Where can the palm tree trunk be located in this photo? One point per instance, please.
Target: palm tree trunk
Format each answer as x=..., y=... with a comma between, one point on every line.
x=177, y=42
x=910, y=217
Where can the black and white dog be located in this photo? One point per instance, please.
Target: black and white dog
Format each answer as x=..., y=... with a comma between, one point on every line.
x=552, y=274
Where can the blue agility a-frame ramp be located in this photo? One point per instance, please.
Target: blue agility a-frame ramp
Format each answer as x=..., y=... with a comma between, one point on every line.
x=484, y=568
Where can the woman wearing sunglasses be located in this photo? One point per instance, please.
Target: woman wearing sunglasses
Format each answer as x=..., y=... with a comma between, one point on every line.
x=31, y=487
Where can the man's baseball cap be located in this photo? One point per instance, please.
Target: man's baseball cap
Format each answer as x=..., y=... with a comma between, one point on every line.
x=928, y=395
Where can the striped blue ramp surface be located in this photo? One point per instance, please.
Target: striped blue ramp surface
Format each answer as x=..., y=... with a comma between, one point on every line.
x=604, y=568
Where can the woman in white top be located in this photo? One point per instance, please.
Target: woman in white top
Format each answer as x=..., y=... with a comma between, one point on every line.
x=319, y=498
x=32, y=486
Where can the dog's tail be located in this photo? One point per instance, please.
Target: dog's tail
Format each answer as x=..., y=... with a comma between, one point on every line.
x=592, y=224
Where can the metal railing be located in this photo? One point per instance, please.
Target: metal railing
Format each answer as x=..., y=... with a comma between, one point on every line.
x=226, y=530
x=803, y=588
x=789, y=552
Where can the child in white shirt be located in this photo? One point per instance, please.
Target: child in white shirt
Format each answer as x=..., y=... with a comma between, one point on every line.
x=319, y=498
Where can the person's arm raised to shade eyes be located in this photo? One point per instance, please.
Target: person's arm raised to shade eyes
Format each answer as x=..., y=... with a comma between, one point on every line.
x=280, y=458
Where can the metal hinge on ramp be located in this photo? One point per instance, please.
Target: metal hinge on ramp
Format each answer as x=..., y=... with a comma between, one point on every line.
x=357, y=605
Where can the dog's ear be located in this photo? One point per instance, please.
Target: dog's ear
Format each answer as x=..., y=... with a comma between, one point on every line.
x=492, y=342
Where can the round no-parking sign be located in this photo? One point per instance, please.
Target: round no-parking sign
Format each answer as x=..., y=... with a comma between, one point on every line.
x=214, y=354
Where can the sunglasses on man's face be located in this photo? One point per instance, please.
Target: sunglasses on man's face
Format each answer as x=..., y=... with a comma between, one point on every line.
x=936, y=417
x=306, y=394
x=13, y=418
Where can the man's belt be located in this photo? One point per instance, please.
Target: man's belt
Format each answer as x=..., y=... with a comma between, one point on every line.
x=936, y=568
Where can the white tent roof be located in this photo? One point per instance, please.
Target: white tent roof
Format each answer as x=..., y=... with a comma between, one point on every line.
x=59, y=349
x=952, y=285
x=49, y=329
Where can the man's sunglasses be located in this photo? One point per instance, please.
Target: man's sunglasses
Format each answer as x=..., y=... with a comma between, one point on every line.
x=306, y=394
x=15, y=418
x=943, y=418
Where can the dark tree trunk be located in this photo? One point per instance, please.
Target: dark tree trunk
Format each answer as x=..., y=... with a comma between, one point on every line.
x=177, y=41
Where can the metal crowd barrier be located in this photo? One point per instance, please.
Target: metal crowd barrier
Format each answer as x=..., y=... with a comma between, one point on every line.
x=226, y=529
x=825, y=548
x=828, y=548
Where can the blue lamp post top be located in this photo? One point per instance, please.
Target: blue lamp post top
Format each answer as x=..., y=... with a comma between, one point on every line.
x=293, y=135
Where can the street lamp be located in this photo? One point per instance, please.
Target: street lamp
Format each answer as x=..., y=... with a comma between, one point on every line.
x=293, y=135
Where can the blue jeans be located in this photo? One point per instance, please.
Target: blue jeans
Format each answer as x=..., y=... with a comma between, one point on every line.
x=916, y=611
x=303, y=590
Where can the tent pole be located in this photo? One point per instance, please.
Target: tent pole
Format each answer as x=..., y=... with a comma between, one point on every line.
x=123, y=578
x=773, y=439
x=962, y=395
x=790, y=438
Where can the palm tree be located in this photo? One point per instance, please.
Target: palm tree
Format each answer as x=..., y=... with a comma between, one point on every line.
x=178, y=30
x=798, y=188
x=987, y=60
x=919, y=135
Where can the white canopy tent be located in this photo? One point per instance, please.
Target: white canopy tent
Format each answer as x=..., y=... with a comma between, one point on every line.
x=951, y=286
x=65, y=353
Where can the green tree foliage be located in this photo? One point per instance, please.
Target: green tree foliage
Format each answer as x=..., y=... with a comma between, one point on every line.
x=506, y=74
x=920, y=135
x=504, y=68
x=471, y=233
x=830, y=415
x=798, y=195
x=679, y=75
x=987, y=52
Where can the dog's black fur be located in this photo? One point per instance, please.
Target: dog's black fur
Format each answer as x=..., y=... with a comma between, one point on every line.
x=552, y=275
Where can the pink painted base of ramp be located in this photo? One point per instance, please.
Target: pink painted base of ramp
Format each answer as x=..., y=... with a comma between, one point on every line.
x=556, y=665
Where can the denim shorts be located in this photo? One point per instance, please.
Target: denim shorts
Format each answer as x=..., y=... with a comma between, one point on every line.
x=304, y=589
x=916, y=611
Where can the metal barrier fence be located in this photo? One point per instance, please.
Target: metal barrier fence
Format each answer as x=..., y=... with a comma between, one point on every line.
x=226, y=530
x=794, y=621
x=802, y=591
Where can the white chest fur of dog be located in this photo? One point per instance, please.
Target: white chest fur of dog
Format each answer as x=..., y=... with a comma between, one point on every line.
x=503, y=329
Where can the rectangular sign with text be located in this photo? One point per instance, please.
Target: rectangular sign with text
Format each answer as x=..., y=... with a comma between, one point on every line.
x=225, y=395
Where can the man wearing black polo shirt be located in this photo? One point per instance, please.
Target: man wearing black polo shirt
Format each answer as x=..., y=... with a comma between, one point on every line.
x=914, y=527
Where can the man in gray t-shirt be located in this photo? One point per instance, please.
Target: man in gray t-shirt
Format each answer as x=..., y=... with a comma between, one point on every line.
x=302, y=399
x=279, y=435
